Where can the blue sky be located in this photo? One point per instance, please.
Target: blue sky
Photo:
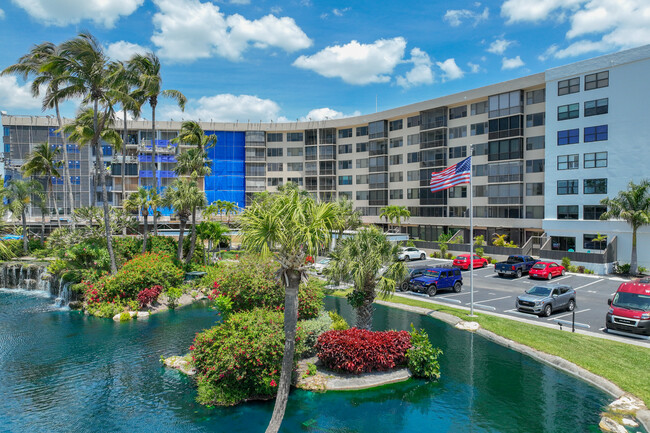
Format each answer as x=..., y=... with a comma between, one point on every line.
x=242, y=60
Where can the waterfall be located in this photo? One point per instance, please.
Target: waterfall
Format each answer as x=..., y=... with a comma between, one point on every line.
x=34, y=276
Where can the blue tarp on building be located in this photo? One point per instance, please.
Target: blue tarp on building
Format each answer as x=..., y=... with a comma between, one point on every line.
x=228, y=179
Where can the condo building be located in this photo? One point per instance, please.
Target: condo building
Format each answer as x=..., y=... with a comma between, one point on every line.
x=546, y=148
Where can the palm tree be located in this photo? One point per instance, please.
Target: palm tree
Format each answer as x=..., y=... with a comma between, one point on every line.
x=183, y=196
x=19, y=194
x=294, y=226
x=362, y=259
x=42, y=161
x=34, y=63
x=147, y=69
x=85, y=66
x=213, y=232
x=194, y=163
x=192, y=134
x=88, y=214
x=394, y=213
x=198, y=201
x=139, y=202
x=632, y=206
x=230, y=208
x=349, y=219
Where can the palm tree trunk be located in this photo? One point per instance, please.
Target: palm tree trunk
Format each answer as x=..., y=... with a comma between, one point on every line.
x=364, y=315
x=179, y=250
x=124, y=165
x=155, y=220
x=67, y=183
x=42, y=228
x=153, y=149
x=144, y=234
x=190, y=254
x=290, y=323
x=25, y=245
x=633, y=259
x=56, y=206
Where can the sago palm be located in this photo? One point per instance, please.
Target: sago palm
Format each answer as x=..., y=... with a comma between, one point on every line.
x=369, y=261
x=292, y=226
x=43, y=162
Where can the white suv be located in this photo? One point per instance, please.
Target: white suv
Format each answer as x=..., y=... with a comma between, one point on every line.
x=410, y=253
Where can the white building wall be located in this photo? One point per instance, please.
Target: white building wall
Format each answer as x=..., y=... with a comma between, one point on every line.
x=627, y=145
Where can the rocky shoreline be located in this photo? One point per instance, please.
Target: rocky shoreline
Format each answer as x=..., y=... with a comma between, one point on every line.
x=162, y=304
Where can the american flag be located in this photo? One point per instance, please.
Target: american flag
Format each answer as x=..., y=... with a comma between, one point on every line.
x=452, y=176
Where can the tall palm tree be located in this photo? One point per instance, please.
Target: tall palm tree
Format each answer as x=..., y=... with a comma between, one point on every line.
x=394, y=213
x=294, y=226
x=230, y=208
x=33, y=63
x=156, y=201
x=192, y=134
x=85, y=64
x=42, y=161
x=19, y=194
x=349, y=218
x=194, y=163
x=139, y=202
x=198, y=201
x=147, y=69
x=183, y=196
x=633, y=207
x=362, y=259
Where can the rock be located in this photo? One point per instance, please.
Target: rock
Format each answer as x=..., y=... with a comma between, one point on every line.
x=143, y=315
x=630, y=422
x=627, y=403
x=122, y=317
x=468, y=326
x=609, y=425
x=133, y=314
x=179, y=363
x=75, y=305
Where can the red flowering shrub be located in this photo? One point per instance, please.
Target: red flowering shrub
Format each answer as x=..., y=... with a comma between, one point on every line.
x=241, y=358
x=147, y=296
x=359, y=351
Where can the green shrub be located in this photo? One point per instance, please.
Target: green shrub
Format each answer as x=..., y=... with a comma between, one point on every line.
x=588, y=271
x=448, y=255
x=566, y=262
x=581, y=269
x=422, y=356
x=126, y=248
x=312, y=329
x=124, y=317
x=338, y=322
x=443, y=249
x=223, y=304
x=241, y=358
x=624, y=269
x=494, y=261
x=163, y=245
x=173, y=294
x=479, y=251
x=410, y=243
x=572, y=268
x=642, y=269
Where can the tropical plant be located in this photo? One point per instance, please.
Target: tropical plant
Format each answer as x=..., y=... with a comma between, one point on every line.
x=294, y=226
x=192, y=134
x=19, y=194
x=600, y=239
x=369, y=260
x=633, y=207
x=139, y=201
x=501, y=241
x=479, y=241
x=213, y=232
x=184, y=197
x=43, y=162
x=229, y=209
x=348, y=217
x=422, y=356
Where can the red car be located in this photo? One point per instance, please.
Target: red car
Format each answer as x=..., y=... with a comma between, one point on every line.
x=462, y=261
x=546, y=270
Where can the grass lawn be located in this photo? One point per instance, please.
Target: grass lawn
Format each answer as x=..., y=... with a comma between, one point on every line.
x=625, y=365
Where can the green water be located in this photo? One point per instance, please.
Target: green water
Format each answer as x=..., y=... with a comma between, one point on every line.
x=64, y=372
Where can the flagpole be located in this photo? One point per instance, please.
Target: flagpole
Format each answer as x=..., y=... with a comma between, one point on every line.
x=471, y=243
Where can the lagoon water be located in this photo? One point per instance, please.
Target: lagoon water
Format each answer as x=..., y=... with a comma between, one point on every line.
x=61, y=371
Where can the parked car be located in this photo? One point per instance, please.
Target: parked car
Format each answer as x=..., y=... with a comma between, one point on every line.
x=515, y=265
x=462, y=261
x=320, y=265
x=629, y=310
x=413, y=273
x=434, y=279
x=544, y=300
x=411, y=253
x=546, y=270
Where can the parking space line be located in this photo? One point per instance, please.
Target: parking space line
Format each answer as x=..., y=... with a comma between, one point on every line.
x=561, y=278
x=588, y=284
x=490, y=300
x=519, y=313
x=568, y=314
x=455, y=294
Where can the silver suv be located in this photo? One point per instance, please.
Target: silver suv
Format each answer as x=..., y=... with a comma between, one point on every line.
x=544, y=300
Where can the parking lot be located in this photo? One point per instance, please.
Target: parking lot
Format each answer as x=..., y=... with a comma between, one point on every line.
x=497, y=294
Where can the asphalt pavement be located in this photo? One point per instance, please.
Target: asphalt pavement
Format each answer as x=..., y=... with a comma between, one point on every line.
x=497, y=295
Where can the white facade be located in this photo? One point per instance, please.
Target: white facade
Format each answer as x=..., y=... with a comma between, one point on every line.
x=626, y=143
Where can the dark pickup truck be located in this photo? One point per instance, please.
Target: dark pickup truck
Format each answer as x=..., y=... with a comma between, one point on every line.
x=515, y=265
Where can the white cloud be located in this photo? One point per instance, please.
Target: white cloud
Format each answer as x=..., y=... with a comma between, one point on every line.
x=15, y=96
x=513, y=63
x=123, y=50
x=325, y=114
x=357, y=63
x=450, y=70
x=276, y=10
x=240, y=2
x=66, y=12
x=421, y=72
x=499, y=46
x=474, y=68
x=536, y=10
x=455, y=17
x=187, y=30
x=2, y=14
x=550, y=51
x=340, y=12
x=225, y=108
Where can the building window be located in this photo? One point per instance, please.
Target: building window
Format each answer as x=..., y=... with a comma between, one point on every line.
x=595, y=186
x=274, y=137
x=506, y=104
x=534, y=143
x=274, y=152
x=396, y=176
x=413, y=193
x=362, y=179
x=458, y=132
x=596, y=81
x=396, y=159
x=595, y=133
x=563, y=243
x=345, y=148
x=480, y=149
x=536, y=119
x=595, y=160
x=535, y=212
x=275, y=181
x=396, y=194
x=296, y=180
x=294, y=151
x=345, y=180
x=274, y=166
x=589, y=242
x=413, y=139
x=362, y=130
x=535, y=96
x=294, y=166
x=413, y=157
x=567, y=187
x=362, y=163
x=535, y=188
x=596, y=107
x=345, y=165
x=74, y=164
x=568, y=136
x=362, y=195
x=571, y=111
x=413, y=121
x=593, y=212
x=458, y=192
x=479, y=128
x=568, y=162
x=505, y=149
x=395, y=125
x=458, y=152
x=396, y=142
x=479, y=108
x=75, y=180
x=362, y=147
x=567, y=212
x=295, y=136
x=345, y=133
x=413, y=175
x=458, y=112
x=565, y=87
